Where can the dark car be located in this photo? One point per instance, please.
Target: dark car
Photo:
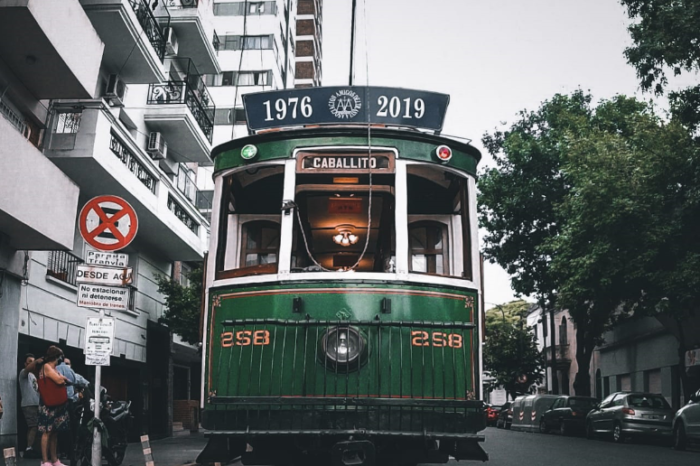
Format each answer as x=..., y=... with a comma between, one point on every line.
x=630, y=414
x=567, y=414
x=505, y=416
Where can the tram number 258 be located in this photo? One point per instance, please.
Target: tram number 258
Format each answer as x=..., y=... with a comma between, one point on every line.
x=245, y=338
x=437, y=339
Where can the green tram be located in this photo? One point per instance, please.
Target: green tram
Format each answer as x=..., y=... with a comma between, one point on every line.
x=343, y=281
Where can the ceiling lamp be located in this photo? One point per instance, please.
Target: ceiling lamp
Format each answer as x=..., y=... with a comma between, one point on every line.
x=345, y=236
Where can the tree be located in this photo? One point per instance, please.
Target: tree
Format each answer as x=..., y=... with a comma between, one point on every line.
x=510, y=351
x=665, y=38
x=630, y=241
x=183, y=305
x=518, y=198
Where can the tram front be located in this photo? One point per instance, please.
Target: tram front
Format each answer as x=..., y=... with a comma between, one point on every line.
x=343, y=319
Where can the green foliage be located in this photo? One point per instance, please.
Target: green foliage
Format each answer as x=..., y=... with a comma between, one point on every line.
x=666, y=34
x=183, y=305
x=510, y=349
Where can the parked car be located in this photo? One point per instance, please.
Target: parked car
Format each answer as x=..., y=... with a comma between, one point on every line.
x=627, y=414
x=567, y=414
x=491, y=414
x=527, y=411
x=686, y=423
x=505, y=416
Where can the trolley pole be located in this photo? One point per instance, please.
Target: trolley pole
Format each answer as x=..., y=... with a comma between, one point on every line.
x=352, y=40
x=96, y=434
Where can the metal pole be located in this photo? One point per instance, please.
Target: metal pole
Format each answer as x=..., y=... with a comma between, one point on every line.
x=96, y=435
x=352, y=39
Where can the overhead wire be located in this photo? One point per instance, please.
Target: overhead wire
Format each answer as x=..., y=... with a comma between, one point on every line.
x=240, y=65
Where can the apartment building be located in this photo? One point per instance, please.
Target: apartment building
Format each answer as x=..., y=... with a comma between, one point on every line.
x=102, y=97
x=308, y=53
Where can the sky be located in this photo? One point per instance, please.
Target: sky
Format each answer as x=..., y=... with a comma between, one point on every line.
x=493, y=57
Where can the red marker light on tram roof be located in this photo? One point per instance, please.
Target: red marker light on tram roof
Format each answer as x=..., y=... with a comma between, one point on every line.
x=443, y=153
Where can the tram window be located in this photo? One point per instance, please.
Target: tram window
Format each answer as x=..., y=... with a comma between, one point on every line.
x=260, y=244
x=334, y=216
x=249, y=234
x=428, y=242
x=438, y=215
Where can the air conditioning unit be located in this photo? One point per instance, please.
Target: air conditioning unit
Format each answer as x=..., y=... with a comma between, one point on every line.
x=116, y=90
x=170, y=41
x=157, y=147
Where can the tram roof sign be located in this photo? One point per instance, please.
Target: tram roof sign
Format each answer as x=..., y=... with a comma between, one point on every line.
x=108, y=223
x=346, y=105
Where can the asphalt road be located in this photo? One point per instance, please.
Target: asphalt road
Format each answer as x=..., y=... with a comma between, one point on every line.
x=506, y=447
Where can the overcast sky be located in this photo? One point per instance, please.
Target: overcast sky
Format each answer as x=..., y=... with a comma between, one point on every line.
x=494, y=58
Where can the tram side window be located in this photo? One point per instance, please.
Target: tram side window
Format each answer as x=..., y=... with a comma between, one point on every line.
x=261, y=242
x=428, y=242
x=438, y=217
x=249, y=235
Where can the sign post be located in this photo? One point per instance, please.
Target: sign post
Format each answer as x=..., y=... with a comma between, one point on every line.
x=108, y=224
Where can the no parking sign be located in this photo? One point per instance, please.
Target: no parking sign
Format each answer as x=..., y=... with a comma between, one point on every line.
x=108, y=223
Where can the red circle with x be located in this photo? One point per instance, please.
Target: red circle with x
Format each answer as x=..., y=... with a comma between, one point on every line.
x=107, y=223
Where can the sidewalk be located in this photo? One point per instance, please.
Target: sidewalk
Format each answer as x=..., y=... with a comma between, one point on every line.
x=172, y=451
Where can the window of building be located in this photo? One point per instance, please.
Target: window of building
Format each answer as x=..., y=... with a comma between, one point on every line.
x=239, y=8
x=242, y=78
x=563, y=332
x=247, y=42
x=229, y=116
x=428, y=243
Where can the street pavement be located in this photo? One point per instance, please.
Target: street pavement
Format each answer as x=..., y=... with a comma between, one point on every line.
x=505, y=448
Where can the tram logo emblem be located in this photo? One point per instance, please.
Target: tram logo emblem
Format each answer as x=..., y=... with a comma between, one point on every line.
x=345, y=104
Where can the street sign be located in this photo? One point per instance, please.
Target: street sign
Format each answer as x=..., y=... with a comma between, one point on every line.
x=99, y=339
x=104, y=275
x=103, y=297
x=110, y=259
x=108, y=223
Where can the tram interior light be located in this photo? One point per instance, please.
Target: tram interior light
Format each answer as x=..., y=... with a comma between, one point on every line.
x=345, y=236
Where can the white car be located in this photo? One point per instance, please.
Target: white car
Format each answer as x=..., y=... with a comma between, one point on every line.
x=686, y=423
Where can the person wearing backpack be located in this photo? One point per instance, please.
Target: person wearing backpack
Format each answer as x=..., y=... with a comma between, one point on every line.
x=53, y=404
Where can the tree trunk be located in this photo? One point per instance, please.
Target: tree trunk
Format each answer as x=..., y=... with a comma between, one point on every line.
x=685, y=383
x=584, y=350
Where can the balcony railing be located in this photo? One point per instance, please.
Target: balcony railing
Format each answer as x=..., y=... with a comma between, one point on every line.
x=182, y=3
x=152, y=26
x=561, y=352
x=132, y=163
x=182, y=214
x=62, y=266
x=194, y=93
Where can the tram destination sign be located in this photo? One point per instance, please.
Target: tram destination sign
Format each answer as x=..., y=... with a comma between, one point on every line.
x=351, y=104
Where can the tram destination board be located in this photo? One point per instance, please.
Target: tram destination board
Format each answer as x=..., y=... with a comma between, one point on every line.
x=352, y=104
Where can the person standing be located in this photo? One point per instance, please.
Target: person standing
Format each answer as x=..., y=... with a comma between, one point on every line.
x=53, y=404
x=29, y=391
x=66, y=439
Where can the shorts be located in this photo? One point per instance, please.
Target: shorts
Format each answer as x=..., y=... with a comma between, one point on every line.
x=54, y=419
x=31, y=415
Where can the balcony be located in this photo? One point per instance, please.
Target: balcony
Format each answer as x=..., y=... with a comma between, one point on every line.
x=183, y=111
x=92, y=146
x=192, y=21
x=561, y=353
x=32, y=216
x=51, y=47
x=133, y=37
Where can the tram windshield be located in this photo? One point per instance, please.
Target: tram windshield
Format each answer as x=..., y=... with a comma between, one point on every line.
x=344, y=218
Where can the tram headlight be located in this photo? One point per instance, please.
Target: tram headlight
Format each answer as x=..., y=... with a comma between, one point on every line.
x=343, y=345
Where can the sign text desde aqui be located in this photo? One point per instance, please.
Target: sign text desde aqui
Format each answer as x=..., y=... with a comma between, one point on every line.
x=104, y=275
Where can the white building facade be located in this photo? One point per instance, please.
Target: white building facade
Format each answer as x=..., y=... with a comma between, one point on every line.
x=100, y=97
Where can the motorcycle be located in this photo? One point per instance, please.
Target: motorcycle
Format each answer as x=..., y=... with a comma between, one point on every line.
x=113, y=423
